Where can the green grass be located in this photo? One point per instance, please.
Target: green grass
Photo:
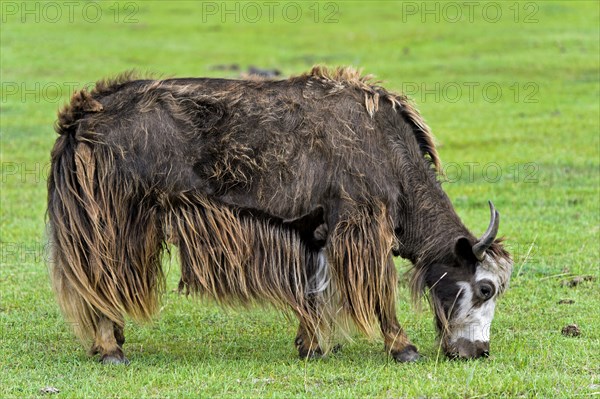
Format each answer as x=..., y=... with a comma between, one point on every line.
x=546, y=150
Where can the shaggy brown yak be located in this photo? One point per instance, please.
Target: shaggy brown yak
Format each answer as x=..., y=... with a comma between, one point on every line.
x=293, y=192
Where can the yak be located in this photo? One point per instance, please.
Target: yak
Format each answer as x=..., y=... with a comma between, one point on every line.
x=295, y=192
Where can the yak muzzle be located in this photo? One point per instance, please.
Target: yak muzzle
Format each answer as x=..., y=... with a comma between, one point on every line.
x=465, y=349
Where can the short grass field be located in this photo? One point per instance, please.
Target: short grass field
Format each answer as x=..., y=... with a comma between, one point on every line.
x=511, y=91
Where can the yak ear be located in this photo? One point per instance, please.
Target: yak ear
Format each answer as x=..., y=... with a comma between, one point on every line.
x=463, y=250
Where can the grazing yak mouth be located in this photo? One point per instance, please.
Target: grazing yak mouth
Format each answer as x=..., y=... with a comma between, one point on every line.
x=465, y=349
x=294, y=192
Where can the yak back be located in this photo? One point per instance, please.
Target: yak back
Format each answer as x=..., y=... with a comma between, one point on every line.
x=282, y=146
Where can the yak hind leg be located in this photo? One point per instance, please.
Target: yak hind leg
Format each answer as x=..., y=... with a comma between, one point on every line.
x=307, y=343
x=311, y=329
x=108, y=342
x=307, y=338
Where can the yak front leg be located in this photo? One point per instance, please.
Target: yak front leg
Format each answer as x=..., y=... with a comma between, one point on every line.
x=108, y=342
x=395, y=339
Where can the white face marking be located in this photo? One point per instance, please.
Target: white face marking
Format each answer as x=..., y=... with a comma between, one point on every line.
x=473, y=323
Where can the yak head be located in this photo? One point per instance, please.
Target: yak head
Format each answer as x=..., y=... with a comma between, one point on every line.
x=463, y=291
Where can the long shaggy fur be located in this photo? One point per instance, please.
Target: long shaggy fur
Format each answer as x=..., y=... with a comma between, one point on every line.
x=108, y=232
x=239, y=259
x=361, y=249
x=106, y=239
x=107, y=245
x=142, y=163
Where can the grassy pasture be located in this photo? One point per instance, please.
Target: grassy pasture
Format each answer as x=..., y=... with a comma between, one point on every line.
x=511, y=90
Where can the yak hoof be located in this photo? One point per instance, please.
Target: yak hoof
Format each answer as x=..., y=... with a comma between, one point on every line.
x=318, y=353
x=114, y=359
x=406, y=355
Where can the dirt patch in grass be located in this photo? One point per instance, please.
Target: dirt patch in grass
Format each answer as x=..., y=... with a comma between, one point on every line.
x=571, y=330
x=566, y=302
x=575, y=281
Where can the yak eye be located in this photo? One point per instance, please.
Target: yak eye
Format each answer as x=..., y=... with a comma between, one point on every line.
x=485, y=290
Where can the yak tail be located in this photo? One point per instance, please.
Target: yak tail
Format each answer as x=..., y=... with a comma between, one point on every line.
x=106, y=240
x=364, y=274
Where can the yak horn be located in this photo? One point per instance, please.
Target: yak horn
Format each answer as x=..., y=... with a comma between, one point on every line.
x=489, y=236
